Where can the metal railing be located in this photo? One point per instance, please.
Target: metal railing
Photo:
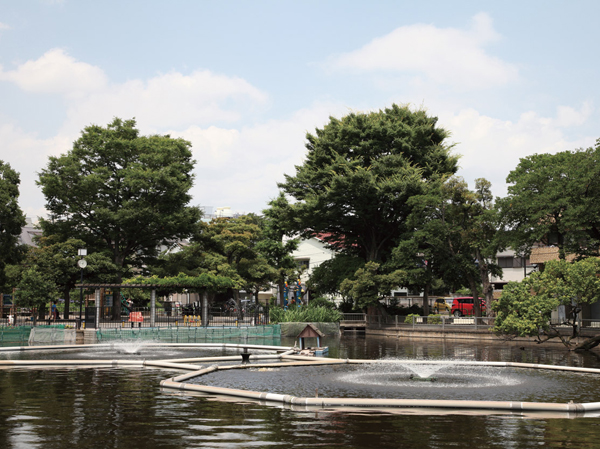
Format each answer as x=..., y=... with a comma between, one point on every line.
x=141, y=317
x=354, y=318
x=179, y=317
x=430, y=322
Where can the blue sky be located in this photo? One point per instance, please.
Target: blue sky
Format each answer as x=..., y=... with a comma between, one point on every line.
x=244, y=81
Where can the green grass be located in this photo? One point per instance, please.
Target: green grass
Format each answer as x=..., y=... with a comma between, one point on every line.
x=304, y=315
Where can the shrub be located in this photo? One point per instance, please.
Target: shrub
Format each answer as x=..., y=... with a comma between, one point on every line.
x=322, y=302
x=434, y=319
x=404, y=311
x=315, y=314
x=346, y=307
x=409, y=318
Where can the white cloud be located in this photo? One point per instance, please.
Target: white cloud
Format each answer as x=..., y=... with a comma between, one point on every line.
x=28, y=154
x=240, y=168
x=169, y=100
x=4, y=26
x=57, y=73
x=491, y=147
x=447, y=56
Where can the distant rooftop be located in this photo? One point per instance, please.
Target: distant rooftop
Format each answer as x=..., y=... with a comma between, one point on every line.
x=28, y=232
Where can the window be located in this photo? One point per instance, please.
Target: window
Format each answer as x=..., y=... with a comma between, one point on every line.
x=505, y=262
x=303, y=263
x=511, y=262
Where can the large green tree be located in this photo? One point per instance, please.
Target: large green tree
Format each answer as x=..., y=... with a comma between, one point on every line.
x=120, y=192
x=327, y=278
x=58, y=261
x=359, y=173
x=276, y=245
x=12, y=219
x=370, y=285
x=36, y=289
x=454, y=238
x=525, y=308
x=225, y=247
x=555, y=199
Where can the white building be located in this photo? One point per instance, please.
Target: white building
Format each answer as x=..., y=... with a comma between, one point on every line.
x=310, y=254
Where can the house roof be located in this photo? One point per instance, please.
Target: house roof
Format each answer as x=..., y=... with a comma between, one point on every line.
x=310, y=331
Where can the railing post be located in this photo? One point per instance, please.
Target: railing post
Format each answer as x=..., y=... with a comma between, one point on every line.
x=153, y=307
x=396, y=320
x=443, y=321
x=204, y=317
x=476, y=318
x=97, y=308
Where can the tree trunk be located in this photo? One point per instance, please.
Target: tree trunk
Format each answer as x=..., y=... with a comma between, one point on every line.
x=238, y=305
x=426, y=300
x=42, y=312
x=280, y=288
x=588, y=344
x=475, y=294
x=488, y=289
x=116, y=306
x=67, y=295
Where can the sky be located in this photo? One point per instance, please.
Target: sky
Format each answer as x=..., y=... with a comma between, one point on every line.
x=245, y=81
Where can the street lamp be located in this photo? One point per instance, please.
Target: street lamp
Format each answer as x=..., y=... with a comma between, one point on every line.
x=82, y=264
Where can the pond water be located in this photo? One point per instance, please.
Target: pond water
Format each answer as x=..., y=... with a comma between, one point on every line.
x=126, y=408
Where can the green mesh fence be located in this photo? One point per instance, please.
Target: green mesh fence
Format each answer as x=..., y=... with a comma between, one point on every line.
x=269, y=334
x=14, y=335
x=52, y=335
x=293, y=329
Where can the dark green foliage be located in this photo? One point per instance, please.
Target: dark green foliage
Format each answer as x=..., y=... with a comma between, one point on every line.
x=322, y=302
x=395, y=309
x=371, y=285
x=275, y=243
x=327, y=278
x=36, y=289
x=204, y=281
x=120, y=192
x=525, y=307
x=555, y=199
x=360, y=171
x=304, y=315
x=58, y=261
x=227, y=248
x=11, y=219
x=454, y=238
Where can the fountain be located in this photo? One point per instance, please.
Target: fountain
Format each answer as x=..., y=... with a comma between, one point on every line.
x=131, y=347
x=384, y=384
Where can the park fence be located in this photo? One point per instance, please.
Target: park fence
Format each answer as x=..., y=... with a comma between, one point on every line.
x=96, y=318
x=176, y=317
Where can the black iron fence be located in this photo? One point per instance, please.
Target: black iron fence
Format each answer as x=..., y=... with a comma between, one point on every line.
x=177, y=317
x=142, y=317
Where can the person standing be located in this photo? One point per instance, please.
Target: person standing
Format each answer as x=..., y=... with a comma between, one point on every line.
x=54, y=311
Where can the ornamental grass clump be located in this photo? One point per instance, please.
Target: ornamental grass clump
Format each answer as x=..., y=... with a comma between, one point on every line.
x=304, y=315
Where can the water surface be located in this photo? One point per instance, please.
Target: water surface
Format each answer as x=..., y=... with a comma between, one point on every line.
x=125, y=408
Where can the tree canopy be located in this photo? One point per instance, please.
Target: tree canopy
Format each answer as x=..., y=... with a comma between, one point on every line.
x=57, y=260
x=555, y=199
x=452, y=237
x=359, y=173
x=121, y=193
x=12, y=219
x=370, y=285
x=525, y=308
x=228, y=248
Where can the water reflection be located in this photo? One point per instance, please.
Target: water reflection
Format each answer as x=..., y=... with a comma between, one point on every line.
x=125, y=408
